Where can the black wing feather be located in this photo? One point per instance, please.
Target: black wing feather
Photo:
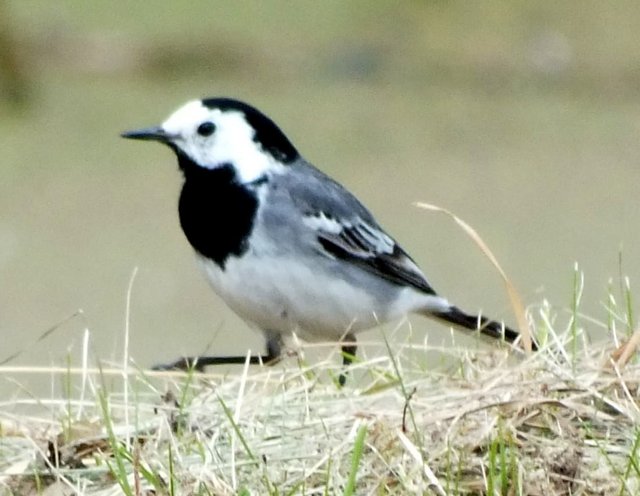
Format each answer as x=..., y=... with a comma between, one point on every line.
x=394, y=265
x=359, y=239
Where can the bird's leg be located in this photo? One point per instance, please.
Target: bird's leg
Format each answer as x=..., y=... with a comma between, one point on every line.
x=349, y=350
x=274, y=352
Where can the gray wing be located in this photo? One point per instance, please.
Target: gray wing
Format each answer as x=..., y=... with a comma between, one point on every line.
x=346, y=230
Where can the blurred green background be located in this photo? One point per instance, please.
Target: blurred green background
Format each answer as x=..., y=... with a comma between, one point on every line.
x=522, y=117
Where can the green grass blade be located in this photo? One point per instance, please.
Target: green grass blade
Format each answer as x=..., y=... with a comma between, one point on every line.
x=237, y=430
x=356, y=456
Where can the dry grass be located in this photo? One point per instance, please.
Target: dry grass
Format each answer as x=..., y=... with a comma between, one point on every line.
x=561, y=421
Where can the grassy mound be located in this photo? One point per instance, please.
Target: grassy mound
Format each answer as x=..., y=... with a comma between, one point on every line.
x=560, y=421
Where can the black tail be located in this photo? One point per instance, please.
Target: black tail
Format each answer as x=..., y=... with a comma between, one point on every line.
x=455, y=316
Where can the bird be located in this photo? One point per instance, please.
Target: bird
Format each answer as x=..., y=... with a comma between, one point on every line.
x=285, y=246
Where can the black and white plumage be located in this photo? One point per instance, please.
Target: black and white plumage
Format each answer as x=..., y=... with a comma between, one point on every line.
x=285, y=246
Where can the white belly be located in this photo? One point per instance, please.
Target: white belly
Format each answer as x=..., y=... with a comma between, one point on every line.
x=284, y=296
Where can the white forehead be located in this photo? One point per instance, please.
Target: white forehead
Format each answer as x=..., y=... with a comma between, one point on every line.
x=184, y=121
x=186, y=116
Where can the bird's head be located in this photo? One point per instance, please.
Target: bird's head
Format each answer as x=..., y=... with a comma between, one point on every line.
x=218, y=132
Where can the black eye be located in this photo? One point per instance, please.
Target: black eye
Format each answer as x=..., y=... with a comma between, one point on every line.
x=206, y=128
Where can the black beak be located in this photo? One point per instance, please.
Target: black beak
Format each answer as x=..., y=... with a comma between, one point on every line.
x=155, y=133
